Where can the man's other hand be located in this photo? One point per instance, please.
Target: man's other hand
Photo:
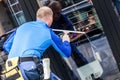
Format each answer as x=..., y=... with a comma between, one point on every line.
x=66, y=37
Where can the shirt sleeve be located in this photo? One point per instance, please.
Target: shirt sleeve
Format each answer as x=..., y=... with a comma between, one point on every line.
x=8, y=43
x=68, y=22
x=63, y=48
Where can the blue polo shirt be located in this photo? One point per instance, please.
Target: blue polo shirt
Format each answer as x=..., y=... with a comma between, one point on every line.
x=32, y=39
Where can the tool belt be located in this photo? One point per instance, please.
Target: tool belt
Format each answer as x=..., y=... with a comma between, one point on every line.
x=13, y=71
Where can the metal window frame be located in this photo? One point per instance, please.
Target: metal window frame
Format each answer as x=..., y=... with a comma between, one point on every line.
x=12, y=10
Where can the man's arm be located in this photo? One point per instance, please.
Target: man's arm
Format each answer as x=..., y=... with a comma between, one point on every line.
x=69, y=25
x=8, y=43
x=62, y=47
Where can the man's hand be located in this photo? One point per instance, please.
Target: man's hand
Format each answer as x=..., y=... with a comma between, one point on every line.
x=65, y=37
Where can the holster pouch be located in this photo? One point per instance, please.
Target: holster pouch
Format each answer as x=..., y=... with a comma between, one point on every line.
x=12, y=70
x=39, y=67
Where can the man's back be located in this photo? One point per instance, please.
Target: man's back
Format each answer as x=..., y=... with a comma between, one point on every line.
x=26, y=43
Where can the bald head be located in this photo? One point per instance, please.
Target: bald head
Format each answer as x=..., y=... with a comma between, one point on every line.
x=45, y=13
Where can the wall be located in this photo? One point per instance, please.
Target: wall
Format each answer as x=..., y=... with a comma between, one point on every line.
x=5, y=22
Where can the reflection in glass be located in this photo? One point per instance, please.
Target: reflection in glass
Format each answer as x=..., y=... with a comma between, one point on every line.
x=67, y=3
x=86, y=20
x=13, y=1
x=16, y=8
x=20, y=18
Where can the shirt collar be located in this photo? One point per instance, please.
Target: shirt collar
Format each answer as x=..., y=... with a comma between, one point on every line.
x=42, y=22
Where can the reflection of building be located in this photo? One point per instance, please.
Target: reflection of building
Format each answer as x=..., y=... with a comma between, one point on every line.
x=16, y=11
x=99, y=19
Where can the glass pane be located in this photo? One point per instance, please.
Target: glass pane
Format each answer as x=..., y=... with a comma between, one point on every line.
x=67, y=3
x=13, y=1
x=76, y=1
x=84, y=18
x=16, y=8
x=21, y=18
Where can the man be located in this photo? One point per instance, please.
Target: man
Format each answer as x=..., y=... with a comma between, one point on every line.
x=62, y=22
x=27, y=43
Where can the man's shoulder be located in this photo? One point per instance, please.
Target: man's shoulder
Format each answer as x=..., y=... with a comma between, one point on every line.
x=27, y=23
x=30, y=23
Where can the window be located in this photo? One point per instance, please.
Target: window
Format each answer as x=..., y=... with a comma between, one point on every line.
x=13, y=1
x=16, y=12
x=67, y=3
x=83, y=16
x=16, y=8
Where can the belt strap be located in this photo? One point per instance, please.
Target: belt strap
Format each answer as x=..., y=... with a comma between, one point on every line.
x=24, y=59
